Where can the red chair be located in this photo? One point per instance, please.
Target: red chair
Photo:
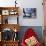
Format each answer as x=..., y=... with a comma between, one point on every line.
x=29, y=33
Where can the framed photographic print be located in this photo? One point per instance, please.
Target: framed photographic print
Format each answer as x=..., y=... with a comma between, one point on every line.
x=29, y=12
x=5, y=12
x=12, y=12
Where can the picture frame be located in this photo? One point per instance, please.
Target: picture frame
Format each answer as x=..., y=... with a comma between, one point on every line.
x=29, y=13
x=5, y=12
x=12, y=12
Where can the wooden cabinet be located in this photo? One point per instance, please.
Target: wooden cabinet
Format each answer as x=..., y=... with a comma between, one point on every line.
x=9, y=25
x=10, y=43
x=8, y=14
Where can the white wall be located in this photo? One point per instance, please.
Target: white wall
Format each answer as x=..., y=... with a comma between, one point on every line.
x=12, y=20
x=7, y=3
x=32, y=4
x=27, y=4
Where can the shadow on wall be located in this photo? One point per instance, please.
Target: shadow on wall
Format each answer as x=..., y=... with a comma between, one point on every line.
x=37, y=29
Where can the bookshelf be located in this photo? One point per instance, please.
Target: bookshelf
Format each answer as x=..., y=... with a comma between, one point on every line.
x=9, y=23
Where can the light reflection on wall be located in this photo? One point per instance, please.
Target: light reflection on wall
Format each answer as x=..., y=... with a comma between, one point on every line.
x=10, y=3
x=7, y=3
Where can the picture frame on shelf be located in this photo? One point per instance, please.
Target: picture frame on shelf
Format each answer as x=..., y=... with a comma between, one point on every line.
x=29, y=12
x=5, y=12
x=12, y=12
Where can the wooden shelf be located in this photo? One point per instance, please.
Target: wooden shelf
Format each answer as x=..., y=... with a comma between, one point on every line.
x=5, y=8
x=9, y=43
x=9, y=26
x=7, y=13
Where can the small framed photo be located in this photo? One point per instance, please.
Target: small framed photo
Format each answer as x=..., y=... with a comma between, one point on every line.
x=29, y=13
x=12, y=12
x=5, y=12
